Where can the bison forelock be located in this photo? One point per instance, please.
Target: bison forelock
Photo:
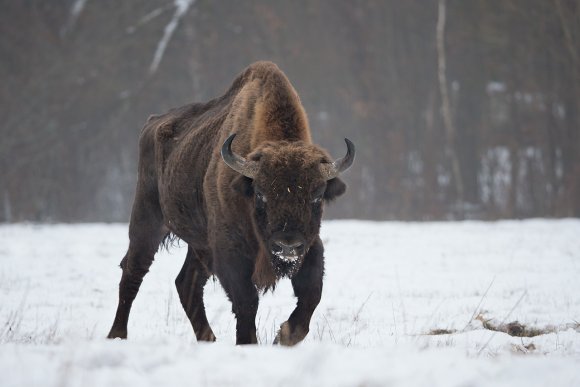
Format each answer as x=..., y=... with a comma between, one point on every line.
x=286, y=194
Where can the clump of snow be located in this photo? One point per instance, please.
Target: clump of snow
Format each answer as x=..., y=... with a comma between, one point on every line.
x=403, y=304
x=496, y=87
x=495, y=176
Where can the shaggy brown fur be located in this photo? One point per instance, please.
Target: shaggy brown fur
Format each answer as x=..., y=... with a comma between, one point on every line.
x=231, y=223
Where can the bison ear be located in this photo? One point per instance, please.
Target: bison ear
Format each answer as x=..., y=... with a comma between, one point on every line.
x=243, y=185
x=334, y=188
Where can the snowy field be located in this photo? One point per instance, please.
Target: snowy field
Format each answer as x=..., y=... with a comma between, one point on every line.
x=407, y=304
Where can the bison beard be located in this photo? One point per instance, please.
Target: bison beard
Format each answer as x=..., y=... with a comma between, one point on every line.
x=249, y=209
x=286, y=268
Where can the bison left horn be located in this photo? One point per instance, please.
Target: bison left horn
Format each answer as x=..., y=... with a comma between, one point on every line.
x=332, y=170
x=237, y=162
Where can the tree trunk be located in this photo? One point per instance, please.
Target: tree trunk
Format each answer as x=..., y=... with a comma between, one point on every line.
x=445, y=104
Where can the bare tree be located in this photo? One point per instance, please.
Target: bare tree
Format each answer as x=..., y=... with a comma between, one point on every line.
x=445, y=103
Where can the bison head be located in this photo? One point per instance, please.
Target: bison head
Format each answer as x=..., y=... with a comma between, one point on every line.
x=287, y=183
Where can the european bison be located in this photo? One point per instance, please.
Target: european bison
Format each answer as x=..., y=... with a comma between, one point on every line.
x=239, y=180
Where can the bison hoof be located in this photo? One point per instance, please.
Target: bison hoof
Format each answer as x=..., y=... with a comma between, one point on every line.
x=207, y=336
x=288, y=336
x=117, y=334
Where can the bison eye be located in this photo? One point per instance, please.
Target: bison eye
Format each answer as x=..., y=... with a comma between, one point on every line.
x=261, y=197
x=317, y=200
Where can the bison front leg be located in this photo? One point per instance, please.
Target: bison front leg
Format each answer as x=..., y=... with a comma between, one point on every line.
x=237, y=282
x=307, y=284
x=245, y=307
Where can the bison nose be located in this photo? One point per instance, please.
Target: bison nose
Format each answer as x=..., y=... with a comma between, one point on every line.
x=288, y=245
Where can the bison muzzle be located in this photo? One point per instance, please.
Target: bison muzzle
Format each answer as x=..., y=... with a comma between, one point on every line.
x=240, y=181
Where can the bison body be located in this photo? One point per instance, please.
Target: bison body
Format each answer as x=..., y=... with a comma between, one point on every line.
x=239, y=180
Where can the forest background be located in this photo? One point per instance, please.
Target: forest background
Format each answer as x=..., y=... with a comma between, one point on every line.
x=459, y=109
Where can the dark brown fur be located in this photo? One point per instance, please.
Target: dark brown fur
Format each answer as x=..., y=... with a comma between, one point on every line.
x=185, y=188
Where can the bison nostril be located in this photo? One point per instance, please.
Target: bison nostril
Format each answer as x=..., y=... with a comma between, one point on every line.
x=288, y=247
x=277, y=249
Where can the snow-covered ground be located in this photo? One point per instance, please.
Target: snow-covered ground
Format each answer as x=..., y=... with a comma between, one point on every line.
x=387, y=286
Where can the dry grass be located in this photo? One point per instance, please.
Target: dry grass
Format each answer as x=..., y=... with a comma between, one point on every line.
x=438, y=332
x=513, y=328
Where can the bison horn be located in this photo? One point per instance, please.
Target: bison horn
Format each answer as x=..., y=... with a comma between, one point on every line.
x=332, y=170
x=237, y=162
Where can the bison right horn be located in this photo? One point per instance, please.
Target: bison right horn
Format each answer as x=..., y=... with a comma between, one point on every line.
x=237, y=162
x=332, y=170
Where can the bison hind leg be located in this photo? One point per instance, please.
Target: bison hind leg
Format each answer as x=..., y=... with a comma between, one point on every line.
x=146, y=231
x=135, y=265
x=189, y=283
